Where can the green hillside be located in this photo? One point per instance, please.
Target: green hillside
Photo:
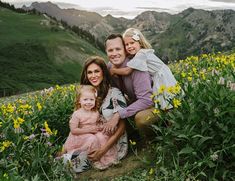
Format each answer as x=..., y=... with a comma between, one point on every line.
x=37, y=52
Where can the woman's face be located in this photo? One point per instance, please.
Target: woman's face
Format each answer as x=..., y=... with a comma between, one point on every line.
x=95, y=74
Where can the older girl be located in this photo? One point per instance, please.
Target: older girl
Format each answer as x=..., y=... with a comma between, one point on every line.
x=144, y=59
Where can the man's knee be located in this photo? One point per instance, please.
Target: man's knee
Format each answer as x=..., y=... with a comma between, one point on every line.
x=145, y=118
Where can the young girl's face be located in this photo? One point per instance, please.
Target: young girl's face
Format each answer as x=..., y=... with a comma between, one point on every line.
x=132, y=46
x=87, y=100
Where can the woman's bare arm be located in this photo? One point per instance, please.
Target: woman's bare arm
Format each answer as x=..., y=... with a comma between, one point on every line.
x=97, y=154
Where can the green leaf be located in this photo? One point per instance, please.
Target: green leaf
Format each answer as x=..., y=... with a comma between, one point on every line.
x=203, y=173
x=203, y=139
x=211, y=164
x=186, y=150
x=197, y=135
x=183, y=136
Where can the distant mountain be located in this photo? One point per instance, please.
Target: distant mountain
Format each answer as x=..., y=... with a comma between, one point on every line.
x=37, y=52
x=192, y=31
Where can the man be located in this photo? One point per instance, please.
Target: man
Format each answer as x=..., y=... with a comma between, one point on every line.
x=137, y=86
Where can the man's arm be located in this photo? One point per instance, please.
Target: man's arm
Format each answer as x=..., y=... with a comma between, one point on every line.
x=143, y=91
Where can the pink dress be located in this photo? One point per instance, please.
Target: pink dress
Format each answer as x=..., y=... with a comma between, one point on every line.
x=89, y=142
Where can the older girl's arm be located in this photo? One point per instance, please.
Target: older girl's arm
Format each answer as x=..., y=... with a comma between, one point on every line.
x=121, y=71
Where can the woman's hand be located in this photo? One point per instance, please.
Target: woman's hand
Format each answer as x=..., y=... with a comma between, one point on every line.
x=95, y=129
x=96, y=155
x=110, y=126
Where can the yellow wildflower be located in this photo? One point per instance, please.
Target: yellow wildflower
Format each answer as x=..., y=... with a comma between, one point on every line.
x=20, y=120
x=161, y=89
x=48, y=130
x=55, y=132
x=39, y=106
x=10, y=108
x=72, y=87
x=151, y=171
x=26, y=137
x=203, y=75
x=5, y=175
x=132, y=142
x=190, y=78
x=174, y=89
x=176, y=103
x=170, y=89
x=156, y=111
x=6, y=143
x=16, y=124
x=183, y=74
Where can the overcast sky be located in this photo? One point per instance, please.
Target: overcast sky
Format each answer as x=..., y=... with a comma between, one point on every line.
x=131, y=8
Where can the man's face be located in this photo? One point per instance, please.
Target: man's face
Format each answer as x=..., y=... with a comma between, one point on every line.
x=115, y=51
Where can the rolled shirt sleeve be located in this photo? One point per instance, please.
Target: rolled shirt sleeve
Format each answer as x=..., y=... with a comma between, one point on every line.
x=142, y=89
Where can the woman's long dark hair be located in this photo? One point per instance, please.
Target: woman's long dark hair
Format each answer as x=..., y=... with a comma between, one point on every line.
x=104, y=86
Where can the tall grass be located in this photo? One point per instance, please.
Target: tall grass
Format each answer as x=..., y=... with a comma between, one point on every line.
x=194, y=141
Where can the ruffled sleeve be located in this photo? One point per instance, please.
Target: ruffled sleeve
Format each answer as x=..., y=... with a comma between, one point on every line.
x=139, y=61
x=118, y=100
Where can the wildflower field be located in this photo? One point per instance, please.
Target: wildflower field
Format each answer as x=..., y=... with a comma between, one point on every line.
x=194, y=141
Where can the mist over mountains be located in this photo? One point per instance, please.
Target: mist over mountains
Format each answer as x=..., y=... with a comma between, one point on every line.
x=190, y=32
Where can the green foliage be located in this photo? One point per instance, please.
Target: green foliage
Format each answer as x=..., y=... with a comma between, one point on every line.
x=194, y=141
x=200, y=139
x=37, y=52
x=32, y=132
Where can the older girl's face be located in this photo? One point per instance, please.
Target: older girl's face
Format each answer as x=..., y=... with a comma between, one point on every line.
x=132, y=46
x=95, y=74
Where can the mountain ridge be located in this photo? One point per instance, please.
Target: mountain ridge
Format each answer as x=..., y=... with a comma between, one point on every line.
x=37, y=52
x=174, y=36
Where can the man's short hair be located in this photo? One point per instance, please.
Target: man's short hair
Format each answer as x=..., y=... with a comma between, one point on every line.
x=114, y=36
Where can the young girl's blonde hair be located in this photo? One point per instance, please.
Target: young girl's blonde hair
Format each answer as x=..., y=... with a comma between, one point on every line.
x=86, y=88
x=136, y=35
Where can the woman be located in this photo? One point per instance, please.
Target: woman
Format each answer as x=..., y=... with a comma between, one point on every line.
x=95, y=73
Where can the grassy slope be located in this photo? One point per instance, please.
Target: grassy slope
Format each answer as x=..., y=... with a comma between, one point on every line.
x=36, y=53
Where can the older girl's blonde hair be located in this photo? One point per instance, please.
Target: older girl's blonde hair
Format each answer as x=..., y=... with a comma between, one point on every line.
x=136, y=35
x=86, y=88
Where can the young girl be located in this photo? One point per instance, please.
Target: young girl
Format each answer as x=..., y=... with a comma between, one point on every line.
x=144, y=59
x=85, y=128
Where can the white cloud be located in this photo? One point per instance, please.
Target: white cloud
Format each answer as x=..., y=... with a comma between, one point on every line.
x=131, y=8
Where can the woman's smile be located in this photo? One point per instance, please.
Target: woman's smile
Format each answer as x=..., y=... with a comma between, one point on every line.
x=94, y=74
